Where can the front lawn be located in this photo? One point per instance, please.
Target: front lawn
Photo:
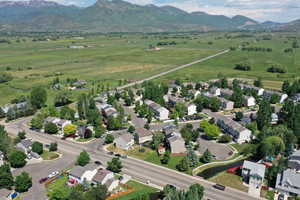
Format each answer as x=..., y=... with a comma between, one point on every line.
x=84, y=139
x=59, y=185
x=48, y=155
x=139, y=189
x=230, y=180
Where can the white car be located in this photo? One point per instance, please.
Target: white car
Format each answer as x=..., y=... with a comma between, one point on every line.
x=53, y=174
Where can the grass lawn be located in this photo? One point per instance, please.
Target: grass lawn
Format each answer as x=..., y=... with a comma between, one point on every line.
x=230, y=180
x=238, y=147
x=47, y=155
x=84, y=139
x=150, y=156
x=59, y=184
x=139, y=189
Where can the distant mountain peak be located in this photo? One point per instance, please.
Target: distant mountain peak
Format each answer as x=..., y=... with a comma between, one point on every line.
x=29, y=3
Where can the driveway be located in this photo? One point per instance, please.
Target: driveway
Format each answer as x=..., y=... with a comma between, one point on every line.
x=41, y=170
x=221, y=151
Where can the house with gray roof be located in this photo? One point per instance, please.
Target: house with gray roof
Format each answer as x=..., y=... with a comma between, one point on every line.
x=215, y=91
x=1, y=158
x=80, y=174
x=253, y=174
x=105, y=177
x=226, y=104
x=144, y=135
x=25, y=146
x=239, y=133
x=259, y=91
x=160, y=112
x=124, y=141
x=294, y=161
x=176, y=143
x=269, y=93
x=226, y=93
x=288, y=182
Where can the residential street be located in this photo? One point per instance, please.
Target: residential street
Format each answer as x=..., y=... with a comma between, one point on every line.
x=140, y=170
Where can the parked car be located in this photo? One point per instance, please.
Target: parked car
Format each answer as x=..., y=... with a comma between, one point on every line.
x=219, y=187
x=281, y=197
x=53, y=174
x=118, y=155
x=43, y=180
x=97, y=162
x=124, y=156
x=110, y=153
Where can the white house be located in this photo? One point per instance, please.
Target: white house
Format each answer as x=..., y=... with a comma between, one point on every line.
x=176, y=143
x=268, y=94
x=124, y=141
x=226, y=93
x=60, y=123
x=144, y=135
x=239, y=133
x=160, y=112
x=79, y=174
x=226, y=104
x=253, y=174
x=105, y=177
x=259, y=91
x=191, y=109
x=249, y=101
x=215, y=91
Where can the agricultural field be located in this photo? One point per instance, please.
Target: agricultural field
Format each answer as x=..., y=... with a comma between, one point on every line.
x=108, y=59
x=259, y=62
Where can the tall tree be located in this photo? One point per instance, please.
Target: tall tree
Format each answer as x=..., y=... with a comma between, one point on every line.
x=286, y=87
x=23, y=182
x=83, y=159
x=264, y=115
x=99, y=192
x=6, y=178
x=115, y=165
x=17, y=159
x=38, y=97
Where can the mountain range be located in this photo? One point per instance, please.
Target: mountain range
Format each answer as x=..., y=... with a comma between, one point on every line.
x=112, y=16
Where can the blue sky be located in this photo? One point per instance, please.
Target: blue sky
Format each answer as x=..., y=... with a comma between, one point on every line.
x=261, y=10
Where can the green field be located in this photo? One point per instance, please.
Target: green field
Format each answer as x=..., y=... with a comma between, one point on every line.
x=110, y=59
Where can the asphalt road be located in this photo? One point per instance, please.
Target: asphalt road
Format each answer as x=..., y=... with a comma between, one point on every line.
x=139, y=170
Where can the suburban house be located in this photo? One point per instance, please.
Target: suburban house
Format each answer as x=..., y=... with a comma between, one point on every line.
x=105, y=177
x=169, y=128
x=84, y=131
x=160, y=112
x=172, y=100
x=296, y=98
x=25, y=146
x=253, y=174
x=176, y=143
x=80, y=174
x=60, y=123
x=274, y=119
x=144, y=135
x=174, y=87
x=196, y=94
x=124, y=141
x=107, y=110
x=239, y=133
x=191, y=109
x=1, y=158
x=19, y=106
x=249, y=101
x=268, y=94
x=294, y=160
x=226, y=93
x=215, y=91
x=288, y=182
x=259, y=91
x=226, y=104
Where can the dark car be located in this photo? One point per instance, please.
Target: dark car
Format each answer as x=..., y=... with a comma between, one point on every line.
x=219, y=187
x=118, y=155
x=281, y=197
x=98, y=162
x=110, y=153
x=43, y=180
